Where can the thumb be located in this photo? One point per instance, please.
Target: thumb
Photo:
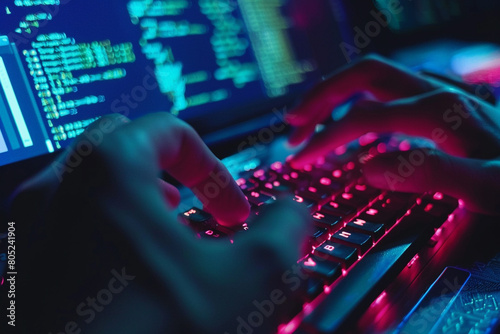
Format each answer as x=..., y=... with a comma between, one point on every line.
x=474, y=181
x=279, y=232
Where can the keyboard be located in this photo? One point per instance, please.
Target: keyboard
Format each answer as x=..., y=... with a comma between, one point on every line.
x=362, y=236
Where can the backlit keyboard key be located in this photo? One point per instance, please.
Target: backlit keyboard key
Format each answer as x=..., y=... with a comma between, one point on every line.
x=314, y=193
x=337, y=252
x=361, y=241
x=258, y=199
x=325, y=220
x=197, y=218
x=314, y=287
x=321, y=268
x=211, y=234
x=363, y=226
x=379, y=216
x=309, y=203
x=319, y=236
x=364, y=190
x=338, y=209
x=351, y=199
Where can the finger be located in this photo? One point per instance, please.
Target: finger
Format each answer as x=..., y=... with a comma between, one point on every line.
x=171, y=193
x=372, y=76
x=474, y=181
x=166, y=142
x=280, y=231
x=445, y=116
x=483, y=91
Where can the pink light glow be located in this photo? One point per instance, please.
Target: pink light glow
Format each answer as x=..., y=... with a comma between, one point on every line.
x=269, y=186
x=350, y=165
x=258, y=173
x=308, y=308
x=294, y=175
x=404, y=145
x=337, y=173
x=298, y=199
x=308, y=168
x=312, y=189
x=428, y=207
x=310, y=263
x=381, y=148
x=380, y=298
x=461, y=203
x=347, y=196
x=335, y=205
x=276, y=165
x=438, y=196
x=412, y=261
x=340, y=150
x=368, y=138
x=372, y=212
x=325, y=181
x=241, y=182
x=190, y=212
x=327, y=289
x=320, y=161
x=360, y=187
x=359, y=222
x=290, y=327
x=318, y=215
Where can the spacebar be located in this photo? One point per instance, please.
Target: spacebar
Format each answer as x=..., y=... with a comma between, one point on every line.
x=368, y=278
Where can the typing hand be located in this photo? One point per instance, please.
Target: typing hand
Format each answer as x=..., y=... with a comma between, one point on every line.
x=457, y=118
x=105, y=253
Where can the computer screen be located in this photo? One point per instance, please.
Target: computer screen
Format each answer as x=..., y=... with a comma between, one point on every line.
x=65, y=63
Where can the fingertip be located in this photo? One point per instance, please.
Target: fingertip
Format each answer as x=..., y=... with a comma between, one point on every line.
x=230, y=212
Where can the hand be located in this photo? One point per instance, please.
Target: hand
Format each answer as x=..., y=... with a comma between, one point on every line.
x=102, y=252
x=465, y=128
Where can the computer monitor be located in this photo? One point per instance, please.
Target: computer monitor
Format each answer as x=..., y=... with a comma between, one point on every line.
x=214, y=63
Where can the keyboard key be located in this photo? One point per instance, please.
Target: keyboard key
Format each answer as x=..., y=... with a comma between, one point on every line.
x=395, y=201
x=337, y=252
x=246, y=185
x=211, y=234
x=257, y=199
x=315, y=194
x=314, y=287
x=325, y=220
x=328, y=185
x=319, y=236
x=349, y=198
x=364, y=190
x=379, y=216
x=361, y=241
x=322, y=268
x=363, y=226
x=442, y=198
x=309, y=203
x=197, y=218
x=278, y=188
x=338, y=209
